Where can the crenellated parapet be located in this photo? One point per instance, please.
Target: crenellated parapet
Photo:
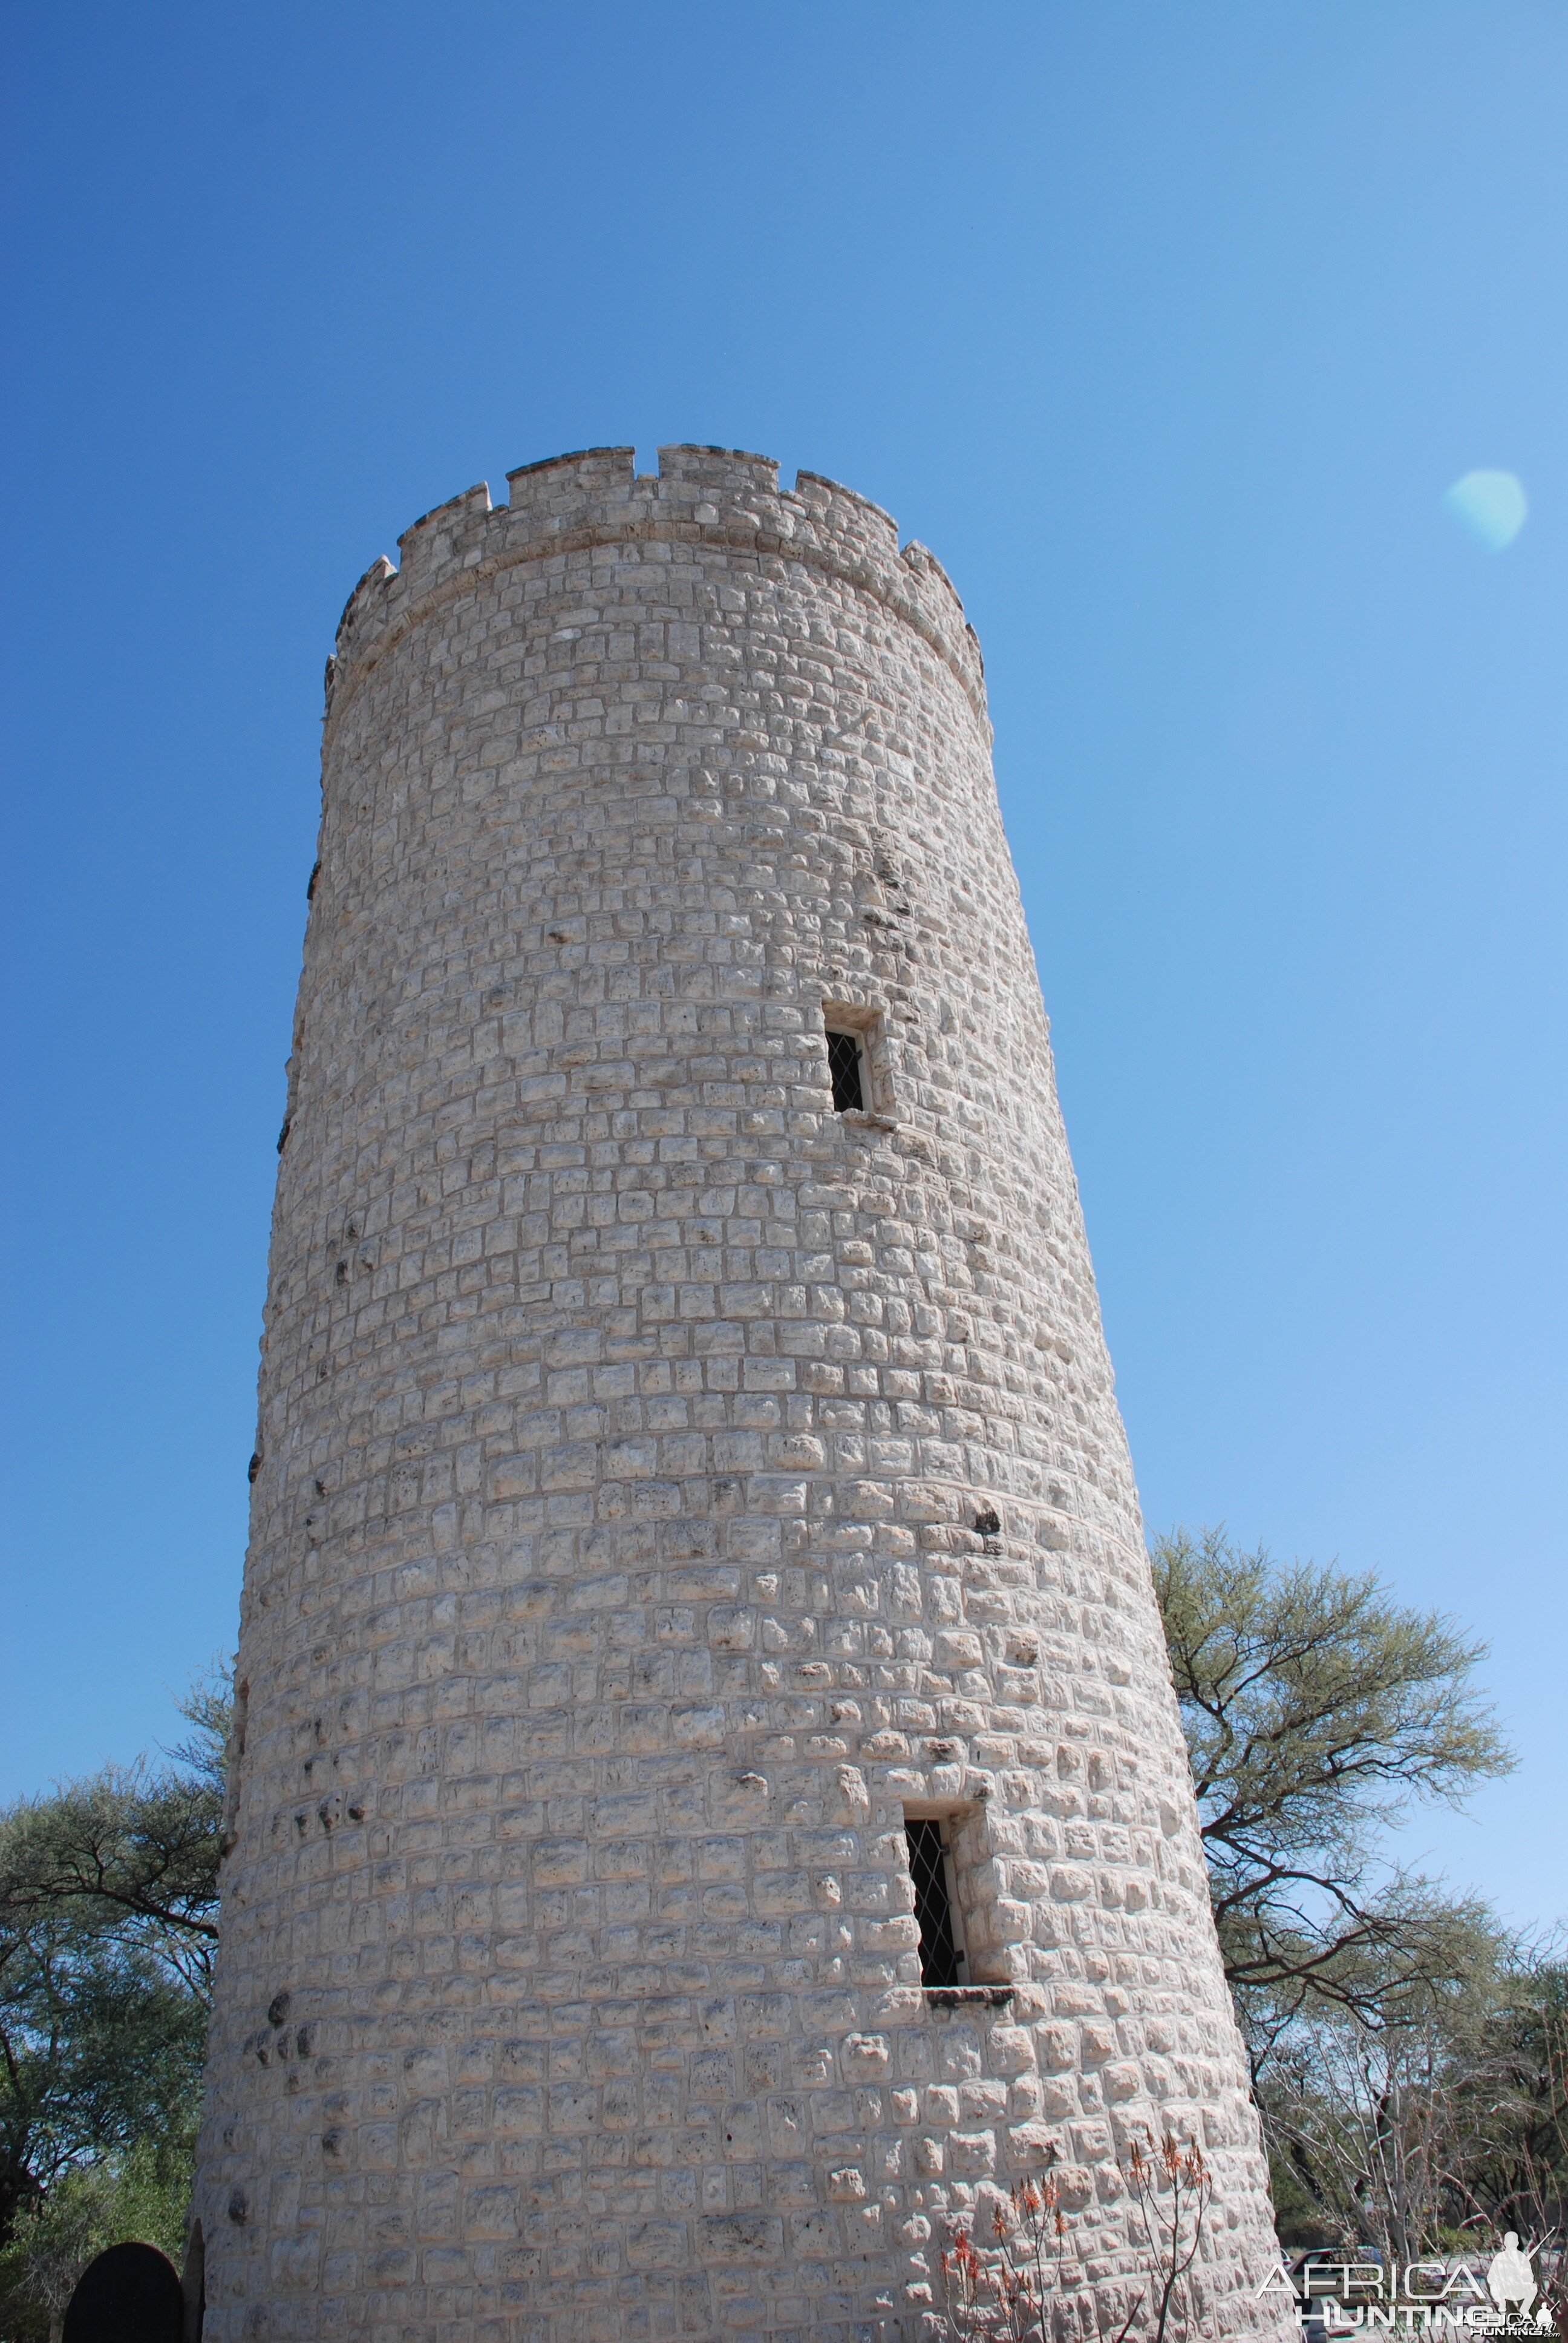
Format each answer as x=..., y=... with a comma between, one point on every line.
x=700, y=498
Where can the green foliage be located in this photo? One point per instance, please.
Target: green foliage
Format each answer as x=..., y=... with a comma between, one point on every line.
x=141, y=2193
x=98, y=2044
x=1316, y=1709
x=1446, y=2124
x=1504, y=2089
x=1409, y=2056
x=132, y=1852
x=108, y=1893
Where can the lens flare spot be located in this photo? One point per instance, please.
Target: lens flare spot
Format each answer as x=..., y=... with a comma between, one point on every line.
x=1490, y=504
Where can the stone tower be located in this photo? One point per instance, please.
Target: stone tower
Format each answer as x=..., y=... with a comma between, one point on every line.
x=691, y=1514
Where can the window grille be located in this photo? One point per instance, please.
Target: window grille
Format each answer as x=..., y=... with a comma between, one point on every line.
x=941, y=1960
x=844, y=1065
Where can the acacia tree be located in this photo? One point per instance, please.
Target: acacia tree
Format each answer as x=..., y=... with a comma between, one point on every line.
x=131, y=1853
x=1509, y=2094
x=1316, y=1710
x=1446, y=2121
x=97, y=2042
x=1409, y=2056
x=108, y=1894
x=1363, y=2120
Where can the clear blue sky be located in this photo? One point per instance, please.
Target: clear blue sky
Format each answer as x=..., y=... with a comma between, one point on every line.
x=1168, y=328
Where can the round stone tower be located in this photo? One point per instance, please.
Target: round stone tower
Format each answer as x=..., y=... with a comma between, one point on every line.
x=709, y=1808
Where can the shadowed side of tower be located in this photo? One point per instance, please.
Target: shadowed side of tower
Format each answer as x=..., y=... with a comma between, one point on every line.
x=710, y=1807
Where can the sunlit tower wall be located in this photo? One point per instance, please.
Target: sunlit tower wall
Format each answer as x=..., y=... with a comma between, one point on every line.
x=689, y=1490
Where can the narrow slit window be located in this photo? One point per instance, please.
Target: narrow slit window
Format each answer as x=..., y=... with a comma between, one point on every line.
x=845, y=1064
x=942, y=1961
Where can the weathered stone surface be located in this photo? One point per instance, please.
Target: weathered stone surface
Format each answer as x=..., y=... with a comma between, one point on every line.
x=623, y=1560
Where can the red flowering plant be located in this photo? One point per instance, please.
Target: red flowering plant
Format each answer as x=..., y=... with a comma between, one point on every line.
x=1174, y=2189
x=1009, y=2288
x=1010, y=2291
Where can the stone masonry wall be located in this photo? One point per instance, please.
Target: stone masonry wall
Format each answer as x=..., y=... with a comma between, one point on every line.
x=621, y=1569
